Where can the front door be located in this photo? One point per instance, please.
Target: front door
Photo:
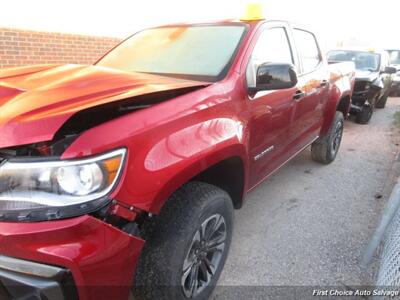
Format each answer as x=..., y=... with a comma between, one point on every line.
x=270, y=111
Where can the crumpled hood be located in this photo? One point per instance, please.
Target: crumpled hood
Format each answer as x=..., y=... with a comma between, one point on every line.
x=36, y=101
x=366, y=75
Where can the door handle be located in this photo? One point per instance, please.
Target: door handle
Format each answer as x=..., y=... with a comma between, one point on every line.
x=324, y=83
x=298, y=95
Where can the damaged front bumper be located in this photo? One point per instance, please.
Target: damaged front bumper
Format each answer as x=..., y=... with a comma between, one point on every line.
x=79, y=258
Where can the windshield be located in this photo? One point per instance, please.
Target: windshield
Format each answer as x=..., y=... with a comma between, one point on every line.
x=364, y=61
x=394, y=57
x=201, y=52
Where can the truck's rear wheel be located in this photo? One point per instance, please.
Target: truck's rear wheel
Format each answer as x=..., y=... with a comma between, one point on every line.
x=325, y=149
x=365, y=114
x=188, y=245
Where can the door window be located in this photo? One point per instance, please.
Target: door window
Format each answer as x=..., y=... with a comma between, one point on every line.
x=272, y=46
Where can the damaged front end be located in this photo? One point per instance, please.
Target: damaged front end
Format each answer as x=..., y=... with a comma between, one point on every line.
x=364, y=94
x=73, y=197
x=37, y=125
x=71, y=205
x=62, y=207
x=37, y=185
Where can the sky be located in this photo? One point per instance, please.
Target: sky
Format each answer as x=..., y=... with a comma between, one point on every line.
x=354, y=22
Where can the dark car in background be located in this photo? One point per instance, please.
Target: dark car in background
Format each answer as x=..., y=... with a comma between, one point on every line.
x=394, y=59
x=374, y=77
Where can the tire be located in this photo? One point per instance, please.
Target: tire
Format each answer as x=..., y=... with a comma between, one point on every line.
x=170, y=246
x=325, y=149
x=382, y=102
x=365, y=114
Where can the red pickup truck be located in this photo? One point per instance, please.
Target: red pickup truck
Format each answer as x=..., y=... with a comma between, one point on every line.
x=123, y=176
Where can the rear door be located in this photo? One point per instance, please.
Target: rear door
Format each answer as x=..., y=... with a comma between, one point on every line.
x=270, y=111
x=312, y=91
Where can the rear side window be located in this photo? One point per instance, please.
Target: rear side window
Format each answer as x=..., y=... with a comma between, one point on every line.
x=308, y=49
x=272, y=47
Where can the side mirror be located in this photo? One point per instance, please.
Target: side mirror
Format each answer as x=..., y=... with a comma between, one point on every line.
x=275, y=76
x=390, y=70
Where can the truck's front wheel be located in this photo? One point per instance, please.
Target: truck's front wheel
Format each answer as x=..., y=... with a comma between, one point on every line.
x=188, y=245
x=325, y=149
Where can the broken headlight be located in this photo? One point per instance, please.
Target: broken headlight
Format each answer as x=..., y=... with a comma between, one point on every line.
x=45, y=190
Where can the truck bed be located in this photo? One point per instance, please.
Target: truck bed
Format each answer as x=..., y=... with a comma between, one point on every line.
x=342, y=68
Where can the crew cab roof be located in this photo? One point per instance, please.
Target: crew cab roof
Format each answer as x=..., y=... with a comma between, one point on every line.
x=229, y=22
x=250, y=23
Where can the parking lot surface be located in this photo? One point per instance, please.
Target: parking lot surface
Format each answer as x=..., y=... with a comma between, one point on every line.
x=308, y=224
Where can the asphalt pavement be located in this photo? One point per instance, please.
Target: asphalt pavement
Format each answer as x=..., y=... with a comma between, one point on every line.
x=309, y=224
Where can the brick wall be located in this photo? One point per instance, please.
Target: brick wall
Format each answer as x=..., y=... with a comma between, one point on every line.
x=23, y=47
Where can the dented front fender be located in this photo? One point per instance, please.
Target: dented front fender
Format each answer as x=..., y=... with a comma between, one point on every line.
x=166, y=148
